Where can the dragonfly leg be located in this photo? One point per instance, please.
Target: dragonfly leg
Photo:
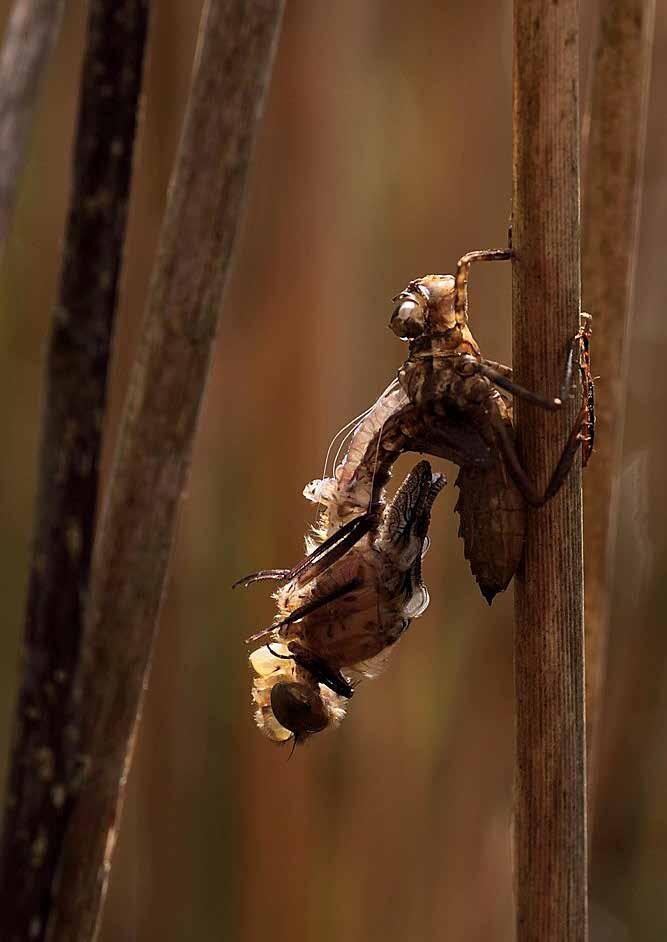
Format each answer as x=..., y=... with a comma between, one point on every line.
x=518, y=473
x=322, y=672
x=322, y=557
x=463, y=271
x=308, y=608
x=334, y=548
x=260, y=576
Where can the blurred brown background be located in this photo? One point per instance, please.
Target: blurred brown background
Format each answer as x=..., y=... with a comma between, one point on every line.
x=385, y=154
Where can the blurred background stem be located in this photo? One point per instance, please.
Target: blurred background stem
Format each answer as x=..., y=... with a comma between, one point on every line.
x=550, y=800
x=44, y=754
x=29, y=37
x=615, y=133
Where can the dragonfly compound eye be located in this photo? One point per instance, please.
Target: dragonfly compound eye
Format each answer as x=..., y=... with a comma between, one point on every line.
x=407, y=319
x=299, y=708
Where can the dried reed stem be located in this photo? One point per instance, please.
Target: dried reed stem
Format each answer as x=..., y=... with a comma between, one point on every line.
x=29, y=37
x=43, y=759
x=550, y=809
x=610, y=243
x=167, y=383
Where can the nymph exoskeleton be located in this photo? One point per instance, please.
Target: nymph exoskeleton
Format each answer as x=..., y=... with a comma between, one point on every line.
x=448, y=380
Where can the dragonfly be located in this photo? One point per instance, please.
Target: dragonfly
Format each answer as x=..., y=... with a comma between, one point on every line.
x=342, y=609
x=344, y=606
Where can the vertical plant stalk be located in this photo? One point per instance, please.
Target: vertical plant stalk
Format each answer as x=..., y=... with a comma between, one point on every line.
x=167, y=382
x=610, y=243
x=42, y=764
x=30, y=35
x=550, y=798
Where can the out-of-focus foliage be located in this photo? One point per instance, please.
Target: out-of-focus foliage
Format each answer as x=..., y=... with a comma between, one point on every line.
x=385, y=154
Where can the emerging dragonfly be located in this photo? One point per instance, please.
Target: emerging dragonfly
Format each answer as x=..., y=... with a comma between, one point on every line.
x=341, y=610
x=344, y=606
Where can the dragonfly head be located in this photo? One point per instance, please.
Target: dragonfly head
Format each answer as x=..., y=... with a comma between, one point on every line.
x=299, y=708
x=290, y=702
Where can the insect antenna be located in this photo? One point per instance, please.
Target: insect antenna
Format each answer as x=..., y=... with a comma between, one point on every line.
x=349, y=428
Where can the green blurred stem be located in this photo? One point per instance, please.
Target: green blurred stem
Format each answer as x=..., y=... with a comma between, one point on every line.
x=30, y=35
x=167, y=381
x=550, y=800
x=616, y=135
x=45, y=763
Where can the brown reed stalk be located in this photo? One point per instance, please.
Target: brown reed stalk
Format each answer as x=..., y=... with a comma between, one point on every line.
x=167, y=382
x=41, y=769
x=550, y=800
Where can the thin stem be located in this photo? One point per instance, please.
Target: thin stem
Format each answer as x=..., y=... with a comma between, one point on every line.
x=550, y=825
x=167, y=382
x=42, y=763
x=31, y=32
x=610, y=243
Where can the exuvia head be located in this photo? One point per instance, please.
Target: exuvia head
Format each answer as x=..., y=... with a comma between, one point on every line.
x=425, y=314
x=425, y=307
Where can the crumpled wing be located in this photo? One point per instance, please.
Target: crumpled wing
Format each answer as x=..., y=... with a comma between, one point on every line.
x=493, y=525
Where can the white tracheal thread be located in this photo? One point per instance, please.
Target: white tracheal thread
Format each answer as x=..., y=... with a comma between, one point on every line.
x=349, y=429
x=346, y=439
